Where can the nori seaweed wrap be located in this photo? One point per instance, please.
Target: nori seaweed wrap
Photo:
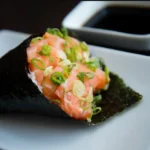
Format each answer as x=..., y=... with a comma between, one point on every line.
x=20, y=94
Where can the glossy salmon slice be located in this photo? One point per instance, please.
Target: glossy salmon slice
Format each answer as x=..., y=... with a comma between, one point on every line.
x=69, y=102
x=74, y=105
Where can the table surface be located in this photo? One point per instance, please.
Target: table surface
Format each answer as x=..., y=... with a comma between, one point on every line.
x=34, y=16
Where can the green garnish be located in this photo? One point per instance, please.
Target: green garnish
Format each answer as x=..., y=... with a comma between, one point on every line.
x=64, y=32
x=45, y=50
x=93, y=64
x=97, y=99
x=48, y=70
x=78, y=88
x=55, y=101
x=38, y=63
x=54, y=31
x=65, y=62
x=96, y=110
x=78, y=56
x=68, y=53
x=65, y=72
x=107, y=74
x=70, y=67
x=57, y=78
x=34, y=40
x=82, y=75
x=71, y=53
x=89, y=75
x=89, y=119
x=83, y=46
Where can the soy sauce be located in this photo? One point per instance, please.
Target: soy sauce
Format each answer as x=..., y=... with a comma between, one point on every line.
x=134, y=20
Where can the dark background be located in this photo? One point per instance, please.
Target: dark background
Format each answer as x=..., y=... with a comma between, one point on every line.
x=34, y=16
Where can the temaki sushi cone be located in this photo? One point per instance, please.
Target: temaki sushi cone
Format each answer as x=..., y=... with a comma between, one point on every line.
x=18, y=92
x=23, y=92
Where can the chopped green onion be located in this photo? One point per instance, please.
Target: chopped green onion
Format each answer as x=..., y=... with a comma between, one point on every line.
x=57, y=78
x=73, y=54
x=85, y=108
x=64, y=32
x=65, y=62
x=45, y=50
x=93, y=64
x=97, y=99
x=88, y=119
x=81, y=75
x=83, y=46
x=55, y=101
x=55, y=31
x=78, y=88
x=38, y=63
x=78, y=56
x=86, y=56
x=34, y=40
x=48, y=70
x=89, y=98
x=67, y=69
x=96, y=110
x=65, y=72
x=68, y=53
x=107, y=74
x=61, y=54
x=89, y=75
x=70, y=67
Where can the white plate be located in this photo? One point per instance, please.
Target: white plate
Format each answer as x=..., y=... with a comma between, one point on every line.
x=129, y=130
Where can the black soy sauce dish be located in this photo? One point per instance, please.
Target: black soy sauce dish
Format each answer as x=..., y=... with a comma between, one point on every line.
x=118, y=25
x=132, y=20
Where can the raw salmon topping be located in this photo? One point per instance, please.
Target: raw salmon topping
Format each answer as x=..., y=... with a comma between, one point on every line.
x=67, y=75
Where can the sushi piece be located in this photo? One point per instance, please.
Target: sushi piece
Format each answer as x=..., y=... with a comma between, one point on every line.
x=53, y=74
